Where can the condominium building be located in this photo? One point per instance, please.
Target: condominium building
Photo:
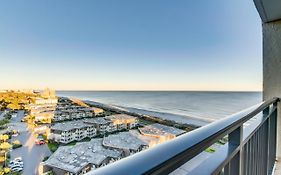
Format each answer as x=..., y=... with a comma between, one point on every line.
x=162, y=132
x=71, y=131
x=123, y=121
x=126, y=142
x=45, y=101
x=97, y=111
x=86, y=156
x=81, y=158
x=72, y=113
x=102, y=124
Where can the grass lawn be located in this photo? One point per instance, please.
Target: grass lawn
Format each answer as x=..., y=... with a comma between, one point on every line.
x=53, y=146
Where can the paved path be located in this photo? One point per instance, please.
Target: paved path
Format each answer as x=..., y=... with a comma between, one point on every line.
x=31, y=153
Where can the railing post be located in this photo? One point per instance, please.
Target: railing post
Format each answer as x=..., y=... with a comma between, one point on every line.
x=235, y=166
x=267, y=136
x=273, y=135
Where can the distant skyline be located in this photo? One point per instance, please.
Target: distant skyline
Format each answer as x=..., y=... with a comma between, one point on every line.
x=130, y=45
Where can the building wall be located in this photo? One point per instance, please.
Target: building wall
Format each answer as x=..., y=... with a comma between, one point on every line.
x=73, y=135
x=272, y=67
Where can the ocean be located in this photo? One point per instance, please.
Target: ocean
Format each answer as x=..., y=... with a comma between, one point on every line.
x=206, y=106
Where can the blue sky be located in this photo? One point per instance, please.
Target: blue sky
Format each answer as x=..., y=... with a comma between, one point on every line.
x=130, y=45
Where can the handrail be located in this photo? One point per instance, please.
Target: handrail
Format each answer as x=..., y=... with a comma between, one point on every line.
x=168, y=156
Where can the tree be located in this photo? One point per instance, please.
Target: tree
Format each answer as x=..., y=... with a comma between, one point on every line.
x=2, y=159
x=4, y=137
x=5, y=146
x=7, y=170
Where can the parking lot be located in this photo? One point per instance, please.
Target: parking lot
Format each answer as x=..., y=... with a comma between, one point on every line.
x=31, y=153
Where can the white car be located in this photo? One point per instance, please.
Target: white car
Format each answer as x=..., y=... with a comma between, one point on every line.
x=12, y=163
x=18, y=159
x=17, y=169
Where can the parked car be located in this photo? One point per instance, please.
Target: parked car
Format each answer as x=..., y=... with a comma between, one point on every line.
x=18, y=159
x=15, y=133
x=40, y=142
x=17, y=169
x=16, y=164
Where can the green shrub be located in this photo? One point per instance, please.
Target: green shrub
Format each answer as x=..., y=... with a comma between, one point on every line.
x=53, y=146
x=15, y=146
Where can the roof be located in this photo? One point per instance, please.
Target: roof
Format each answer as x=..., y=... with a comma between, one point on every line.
x=168, y=129
x=124, y=140
x=120, y=117
x=75, y=158
x=67, y=126
x=160, y=130
x=99, y=120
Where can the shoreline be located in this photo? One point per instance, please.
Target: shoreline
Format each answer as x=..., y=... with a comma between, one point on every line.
x=179, y=121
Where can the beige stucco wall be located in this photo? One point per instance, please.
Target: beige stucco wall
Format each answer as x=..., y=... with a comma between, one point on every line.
x=272, y=67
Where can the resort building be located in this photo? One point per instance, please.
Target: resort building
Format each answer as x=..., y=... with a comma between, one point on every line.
x=71, y=131
x=97, y=111
x=81, y=158
x=123, y=121
x=150, y=141
x=102, y=125
x=45, y=101
x=44, y=117
x=168, y=129
x=162, y=132
x=86, y=156
x=72, y=113
x=126, y=142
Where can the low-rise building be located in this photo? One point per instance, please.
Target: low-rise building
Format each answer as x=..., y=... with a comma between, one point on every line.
x=102, y=124
x=71, y=131
x=81, y=158
x=97, y=111
x=168, y=129
x=150, y=141
x=162, y=132
x=44, y=117
x=72, y=113
x=126, y=142
x=123, y=121
x=45, y=101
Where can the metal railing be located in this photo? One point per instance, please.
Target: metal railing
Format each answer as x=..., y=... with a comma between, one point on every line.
x=251, y=147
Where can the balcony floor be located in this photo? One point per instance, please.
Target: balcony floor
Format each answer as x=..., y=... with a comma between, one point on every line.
x=277, y=168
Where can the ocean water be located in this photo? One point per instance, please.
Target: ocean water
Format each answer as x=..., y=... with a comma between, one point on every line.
x=209, y=106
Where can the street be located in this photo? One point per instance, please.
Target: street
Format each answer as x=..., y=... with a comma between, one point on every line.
x=31, y=153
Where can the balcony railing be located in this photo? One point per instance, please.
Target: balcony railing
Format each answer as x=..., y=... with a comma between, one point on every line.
x=251, y=147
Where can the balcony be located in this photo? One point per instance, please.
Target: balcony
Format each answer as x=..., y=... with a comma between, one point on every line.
x=251, y=148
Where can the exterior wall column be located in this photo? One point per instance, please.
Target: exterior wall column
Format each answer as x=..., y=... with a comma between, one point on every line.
x=272, y=69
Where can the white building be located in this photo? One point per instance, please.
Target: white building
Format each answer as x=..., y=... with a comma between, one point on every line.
x=102, y=125
x=123, y=121
x=81, y=158
x=126, y=142
x=71, y=131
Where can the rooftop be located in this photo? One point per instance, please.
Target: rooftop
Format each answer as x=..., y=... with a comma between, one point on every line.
x=168, y=129
x=124, y=140
x=99, y=120
x=75, y=158
x=120, y=117
x=67, y=126
x=160, y=130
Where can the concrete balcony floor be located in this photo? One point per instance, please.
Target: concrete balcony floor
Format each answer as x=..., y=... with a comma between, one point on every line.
x=277, y=170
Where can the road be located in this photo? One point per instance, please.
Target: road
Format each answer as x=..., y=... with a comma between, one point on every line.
x=31, y=153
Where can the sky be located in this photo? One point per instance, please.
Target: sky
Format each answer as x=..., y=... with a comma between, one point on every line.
x=130, y=45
